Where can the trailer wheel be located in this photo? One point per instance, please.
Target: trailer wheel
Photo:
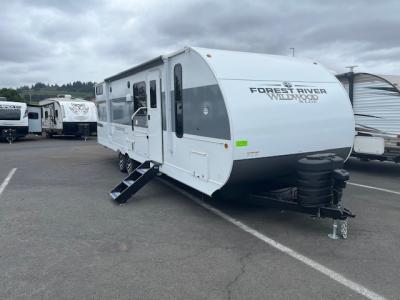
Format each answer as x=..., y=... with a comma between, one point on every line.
x=122, y=162
x=131, y=165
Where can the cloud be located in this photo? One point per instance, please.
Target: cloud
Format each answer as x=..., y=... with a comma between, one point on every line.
x=61, y=41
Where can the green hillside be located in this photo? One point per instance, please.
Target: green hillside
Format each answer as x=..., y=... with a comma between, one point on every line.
x=40, y=91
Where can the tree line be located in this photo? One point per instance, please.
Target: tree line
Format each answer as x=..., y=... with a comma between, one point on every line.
x=40, y=90
x=76, y=86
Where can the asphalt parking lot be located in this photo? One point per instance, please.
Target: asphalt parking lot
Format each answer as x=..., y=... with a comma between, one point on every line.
x=62, y=238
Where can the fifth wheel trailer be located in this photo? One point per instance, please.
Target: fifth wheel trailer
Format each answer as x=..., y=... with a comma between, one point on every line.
x=225, y=121
x=65, y=115
x=376, y=104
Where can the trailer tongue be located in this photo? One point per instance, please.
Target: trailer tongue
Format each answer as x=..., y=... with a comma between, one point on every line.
x=319, y=190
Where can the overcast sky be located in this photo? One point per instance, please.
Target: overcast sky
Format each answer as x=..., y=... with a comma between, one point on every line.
x=69, y=40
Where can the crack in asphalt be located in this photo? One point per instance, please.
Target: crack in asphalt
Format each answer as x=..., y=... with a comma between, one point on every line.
x=241, y=272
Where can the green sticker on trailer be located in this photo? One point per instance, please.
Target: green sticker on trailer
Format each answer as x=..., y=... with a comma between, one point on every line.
x=242, y=143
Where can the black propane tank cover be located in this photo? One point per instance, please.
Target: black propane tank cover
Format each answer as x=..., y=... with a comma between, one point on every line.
x=316, y=163
x=316, y=179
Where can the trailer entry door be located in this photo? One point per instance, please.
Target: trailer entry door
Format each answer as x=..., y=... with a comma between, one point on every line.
x=154, y=116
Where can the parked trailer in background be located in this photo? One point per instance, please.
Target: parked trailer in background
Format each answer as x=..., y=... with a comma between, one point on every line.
x=35, y=119
x=65, y=115
x=376, y=105
x=13, y=120
x=225, y=122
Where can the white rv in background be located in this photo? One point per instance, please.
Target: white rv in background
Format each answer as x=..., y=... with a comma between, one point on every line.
x=215, y=119
x=21, y=118
x=13, y=120
x=65, y=115
x=376, y=104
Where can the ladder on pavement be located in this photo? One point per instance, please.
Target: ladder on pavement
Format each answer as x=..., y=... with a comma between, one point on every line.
x=134, y=182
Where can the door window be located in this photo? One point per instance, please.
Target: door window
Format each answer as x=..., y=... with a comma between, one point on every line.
x=139, y=97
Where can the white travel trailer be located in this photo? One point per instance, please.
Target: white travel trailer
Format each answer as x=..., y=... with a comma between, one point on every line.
x=376, y=104
x=13, y=120
x=222, y=121
x=65, y=115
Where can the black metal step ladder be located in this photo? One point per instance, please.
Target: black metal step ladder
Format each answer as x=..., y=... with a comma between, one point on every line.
x=134, y=182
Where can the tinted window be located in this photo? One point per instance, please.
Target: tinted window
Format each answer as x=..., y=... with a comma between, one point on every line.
x=56, y=113
x=33, y=116
x=46, y=114
x=139, y=97
x=153, y=94
x=10, y=113
x=178, y=100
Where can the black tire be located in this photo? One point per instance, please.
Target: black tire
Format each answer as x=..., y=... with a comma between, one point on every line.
x=122, y=162
x=131, y=165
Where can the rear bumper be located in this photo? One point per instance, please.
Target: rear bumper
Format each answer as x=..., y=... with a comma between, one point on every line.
x=21, y=131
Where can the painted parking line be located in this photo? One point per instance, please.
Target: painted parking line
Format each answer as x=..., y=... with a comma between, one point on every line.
x=374, y=188
x=356, y=287
x=6, y=181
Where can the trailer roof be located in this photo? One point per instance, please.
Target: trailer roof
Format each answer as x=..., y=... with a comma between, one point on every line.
x=136, y=69
x=238, y=65
x=394, y=80
x=241, y=65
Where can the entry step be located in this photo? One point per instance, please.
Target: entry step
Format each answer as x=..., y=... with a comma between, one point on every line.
x=134, y=182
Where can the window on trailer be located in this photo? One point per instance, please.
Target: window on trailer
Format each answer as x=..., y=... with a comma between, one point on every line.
x=139, y=97
x=153, y=94
x=33, y=116
x=99, y=90
x=178, y=100
x=121, y=111
x=102, y=111
x=9, y=113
